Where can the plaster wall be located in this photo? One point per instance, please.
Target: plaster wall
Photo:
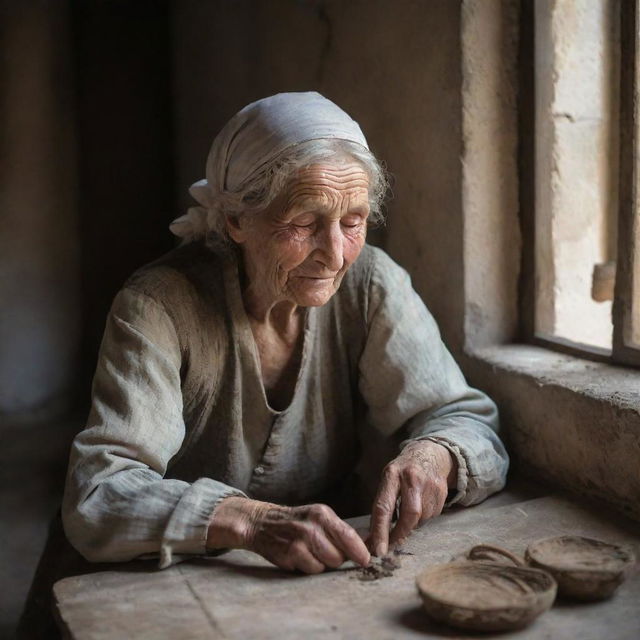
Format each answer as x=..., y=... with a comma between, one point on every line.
x=39, y=289
x=491, y=230
x=395, y=67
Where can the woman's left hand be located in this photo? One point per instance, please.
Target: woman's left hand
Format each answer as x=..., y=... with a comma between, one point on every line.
x=420, y=477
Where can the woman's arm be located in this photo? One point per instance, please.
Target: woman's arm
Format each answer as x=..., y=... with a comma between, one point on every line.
x=117, y=504
x=412, y=385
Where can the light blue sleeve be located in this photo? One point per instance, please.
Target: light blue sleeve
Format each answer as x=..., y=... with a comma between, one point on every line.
x=117, y=504
x=412, y=385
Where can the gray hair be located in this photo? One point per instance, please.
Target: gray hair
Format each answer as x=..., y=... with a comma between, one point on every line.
x=261, y=190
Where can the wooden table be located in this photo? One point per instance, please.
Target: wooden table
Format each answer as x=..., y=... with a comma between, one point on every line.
x=240, y=595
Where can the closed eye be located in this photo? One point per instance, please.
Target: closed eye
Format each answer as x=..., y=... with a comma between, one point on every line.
x=351, y=222
x=304, y=221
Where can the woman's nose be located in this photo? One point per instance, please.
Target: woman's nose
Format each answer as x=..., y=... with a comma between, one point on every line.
x=330, y=248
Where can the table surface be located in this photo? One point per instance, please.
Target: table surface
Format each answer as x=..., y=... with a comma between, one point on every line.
x=240, y=595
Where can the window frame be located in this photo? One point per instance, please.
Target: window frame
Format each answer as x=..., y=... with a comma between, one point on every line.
x=622, y=353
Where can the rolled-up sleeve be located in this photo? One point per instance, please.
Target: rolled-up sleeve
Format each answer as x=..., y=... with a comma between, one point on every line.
x=117, y=503
x=412, y=385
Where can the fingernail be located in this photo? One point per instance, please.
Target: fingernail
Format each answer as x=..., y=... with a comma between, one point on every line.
x=380, y=550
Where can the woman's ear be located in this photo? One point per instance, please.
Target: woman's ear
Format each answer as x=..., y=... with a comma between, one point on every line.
x=235, y=228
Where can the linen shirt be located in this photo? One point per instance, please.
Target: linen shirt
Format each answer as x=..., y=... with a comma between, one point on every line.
x=180, y=419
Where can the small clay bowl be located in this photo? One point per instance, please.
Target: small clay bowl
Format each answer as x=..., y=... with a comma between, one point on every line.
x=485, y=596
x=585, y=569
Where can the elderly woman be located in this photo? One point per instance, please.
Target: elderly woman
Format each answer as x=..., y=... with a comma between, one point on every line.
x=242, y=375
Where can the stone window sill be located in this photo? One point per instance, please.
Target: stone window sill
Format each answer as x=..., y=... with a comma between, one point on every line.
x=615, y=385
x=569, y=420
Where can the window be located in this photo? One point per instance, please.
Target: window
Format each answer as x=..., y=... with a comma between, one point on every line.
x=586, y=279
x=571, y=420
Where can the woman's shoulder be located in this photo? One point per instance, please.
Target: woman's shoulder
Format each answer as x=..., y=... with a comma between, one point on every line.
x=190, y=270
x=375, y=268
x=369, y=281
x=375, y=282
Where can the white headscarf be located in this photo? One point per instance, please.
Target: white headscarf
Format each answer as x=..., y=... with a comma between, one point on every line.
x=251, y=139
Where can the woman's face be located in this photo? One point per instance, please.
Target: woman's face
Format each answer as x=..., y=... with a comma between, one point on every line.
x=300, y=247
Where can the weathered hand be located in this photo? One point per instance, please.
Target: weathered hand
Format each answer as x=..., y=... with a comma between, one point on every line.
x=309, y=538
x=420, y=477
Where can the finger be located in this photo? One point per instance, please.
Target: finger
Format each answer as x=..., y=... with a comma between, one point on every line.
x=347, y=540
x=302, y=559
x=410, y=510
x=344, y=538
x=324, y=549
x=382, y=512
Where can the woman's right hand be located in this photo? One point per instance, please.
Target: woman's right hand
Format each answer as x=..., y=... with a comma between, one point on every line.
x=310, y=538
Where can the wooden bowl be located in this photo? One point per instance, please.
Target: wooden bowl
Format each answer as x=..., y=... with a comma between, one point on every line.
x=585, y=569
x=485, y=596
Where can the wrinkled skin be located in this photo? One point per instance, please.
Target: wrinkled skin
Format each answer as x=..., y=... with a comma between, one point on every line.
x=313, y=538
x=310, y=538
x=420, y=477
x=295, y=255
x=298, y=250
